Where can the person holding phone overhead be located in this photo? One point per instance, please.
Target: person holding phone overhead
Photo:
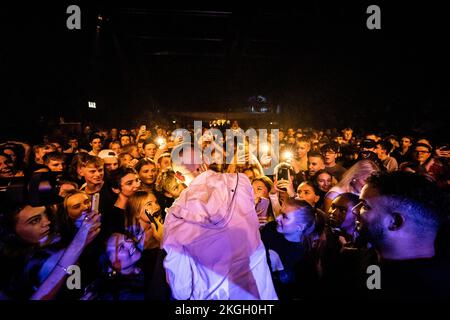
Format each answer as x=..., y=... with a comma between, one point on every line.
x=283, y=187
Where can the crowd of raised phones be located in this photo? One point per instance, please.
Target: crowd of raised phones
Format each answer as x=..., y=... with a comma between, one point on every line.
x=308, y=210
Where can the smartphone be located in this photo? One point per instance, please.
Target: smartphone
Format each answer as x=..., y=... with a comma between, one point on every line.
x=283, y=173
x=95, y=202
x=151, y=218
x=262, y=206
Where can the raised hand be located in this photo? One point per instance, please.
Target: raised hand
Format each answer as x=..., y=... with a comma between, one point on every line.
x=90, y=228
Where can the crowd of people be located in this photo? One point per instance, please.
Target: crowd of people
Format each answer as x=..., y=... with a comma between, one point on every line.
x=141, y=223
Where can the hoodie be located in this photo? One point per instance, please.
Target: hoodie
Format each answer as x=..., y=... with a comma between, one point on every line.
x=214, y=249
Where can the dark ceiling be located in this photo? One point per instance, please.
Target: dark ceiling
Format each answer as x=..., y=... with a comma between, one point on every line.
x=317, y=61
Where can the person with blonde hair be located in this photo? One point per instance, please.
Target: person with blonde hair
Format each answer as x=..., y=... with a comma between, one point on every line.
x=352, y=181
x=144, y=223
x=143, y=218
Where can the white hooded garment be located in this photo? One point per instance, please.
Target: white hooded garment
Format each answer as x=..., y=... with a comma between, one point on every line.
x=214, y=249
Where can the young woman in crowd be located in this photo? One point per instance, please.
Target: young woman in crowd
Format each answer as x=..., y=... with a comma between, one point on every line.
x=261, y=190
x=279, y=193
x=324, y=181
x=121, y=276
x=143, y=220
x=34, y=256
x=306, y=190
x=69, y=217
x=309, y=192
x=290, y=242
x=352, y=181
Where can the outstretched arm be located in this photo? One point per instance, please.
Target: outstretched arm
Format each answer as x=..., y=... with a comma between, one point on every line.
x=87, y=232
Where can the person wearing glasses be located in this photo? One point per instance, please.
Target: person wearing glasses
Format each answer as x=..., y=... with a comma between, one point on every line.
x=330, y=153
x=425, y=163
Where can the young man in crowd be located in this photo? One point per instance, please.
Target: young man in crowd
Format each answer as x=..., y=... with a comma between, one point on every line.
x=133, y=150
x=110, y=160
x=330, y=152
x=315, y=163
x=39, y=152
x=403, y=153
x=74, y=146
x=93, y=172
x=150, y=148
x=96, y=144
x=347, y=136
x=163, y=162
x=125, y=139
x=399, y=214
x=124, y=183
x=54, y=161
x=382, y=151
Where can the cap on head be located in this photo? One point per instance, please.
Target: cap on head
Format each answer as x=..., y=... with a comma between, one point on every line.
x=107, y=154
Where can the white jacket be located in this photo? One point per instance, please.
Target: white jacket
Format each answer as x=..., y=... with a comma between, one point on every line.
x=214, y=249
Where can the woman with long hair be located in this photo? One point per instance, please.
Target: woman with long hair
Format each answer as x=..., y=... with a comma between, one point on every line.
x=40, y=259
x=143, y=218
x=143, y=222
x=261, y=190
x=352, y=181
x=290, y=242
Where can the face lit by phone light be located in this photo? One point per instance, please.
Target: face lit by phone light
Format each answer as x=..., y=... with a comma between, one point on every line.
x=77, y=204
x=122, y=253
